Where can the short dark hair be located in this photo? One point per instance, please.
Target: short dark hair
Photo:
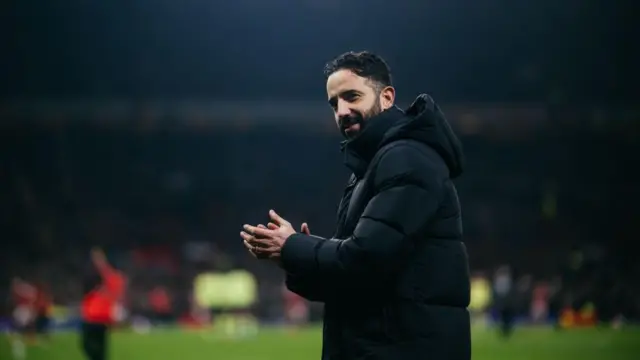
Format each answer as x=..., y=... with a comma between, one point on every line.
x=365, y=64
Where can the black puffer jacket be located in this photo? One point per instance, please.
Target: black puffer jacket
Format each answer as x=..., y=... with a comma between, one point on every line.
x=395, y=278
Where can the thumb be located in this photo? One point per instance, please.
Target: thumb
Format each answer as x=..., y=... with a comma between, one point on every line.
x=278, y=219
x=305, y=229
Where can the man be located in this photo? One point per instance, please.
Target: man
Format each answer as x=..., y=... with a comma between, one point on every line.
x=504, y=299
x=43, y=305
x=24, y=296
x=104, y=292
x=394, y=279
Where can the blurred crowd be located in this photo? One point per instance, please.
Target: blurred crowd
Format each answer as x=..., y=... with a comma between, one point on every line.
x=167, y=203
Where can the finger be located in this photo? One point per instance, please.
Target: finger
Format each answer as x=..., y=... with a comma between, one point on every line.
x=305, y=229
x=278, y=219
x=250, y=248
x=268, y=251
x=246, y=236
x=262, y=226
x=256, y=231
x=272, y=226
x=253, y=241
x=264, y=247
x=262, y=251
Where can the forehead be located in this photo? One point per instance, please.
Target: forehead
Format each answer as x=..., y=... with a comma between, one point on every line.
x=344, y=80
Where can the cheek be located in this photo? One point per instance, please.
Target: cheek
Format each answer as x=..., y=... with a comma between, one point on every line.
x=371, y=103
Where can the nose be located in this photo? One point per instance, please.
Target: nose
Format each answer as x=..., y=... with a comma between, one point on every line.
x=343, y=108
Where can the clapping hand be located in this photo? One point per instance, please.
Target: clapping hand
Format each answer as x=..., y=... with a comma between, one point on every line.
x=267, y=241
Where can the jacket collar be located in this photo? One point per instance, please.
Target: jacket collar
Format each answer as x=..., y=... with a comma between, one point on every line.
x=359, y=151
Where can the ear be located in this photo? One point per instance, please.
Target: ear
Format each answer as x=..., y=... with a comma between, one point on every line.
x=387, y=97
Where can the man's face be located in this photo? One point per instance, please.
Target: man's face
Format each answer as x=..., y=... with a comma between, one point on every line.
x=354, y=100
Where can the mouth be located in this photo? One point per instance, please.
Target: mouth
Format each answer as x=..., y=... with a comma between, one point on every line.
x=351, y=130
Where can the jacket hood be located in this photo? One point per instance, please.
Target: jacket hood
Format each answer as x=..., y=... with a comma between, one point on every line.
x=423, y=121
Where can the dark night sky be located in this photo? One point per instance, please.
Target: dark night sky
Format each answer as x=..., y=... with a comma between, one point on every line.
x=483, y=50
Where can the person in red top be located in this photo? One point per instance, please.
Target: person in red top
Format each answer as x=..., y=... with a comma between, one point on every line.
x=103, y=294
x=296, y=308
x=160, y=302
x=23, y=297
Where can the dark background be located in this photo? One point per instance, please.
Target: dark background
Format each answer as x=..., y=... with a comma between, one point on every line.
x=152, y=124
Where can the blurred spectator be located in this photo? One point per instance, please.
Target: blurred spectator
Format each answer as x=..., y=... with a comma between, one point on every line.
x=166, y=214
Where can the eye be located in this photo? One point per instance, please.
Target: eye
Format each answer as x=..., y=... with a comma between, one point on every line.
x=350, y=96
x=333, y=102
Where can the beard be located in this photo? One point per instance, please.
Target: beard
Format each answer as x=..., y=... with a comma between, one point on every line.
x=357, y=118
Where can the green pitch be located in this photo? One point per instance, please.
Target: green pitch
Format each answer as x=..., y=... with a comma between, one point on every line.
x=526, y=344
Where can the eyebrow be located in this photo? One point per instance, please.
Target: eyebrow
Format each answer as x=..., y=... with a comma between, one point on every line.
x=345, y=92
